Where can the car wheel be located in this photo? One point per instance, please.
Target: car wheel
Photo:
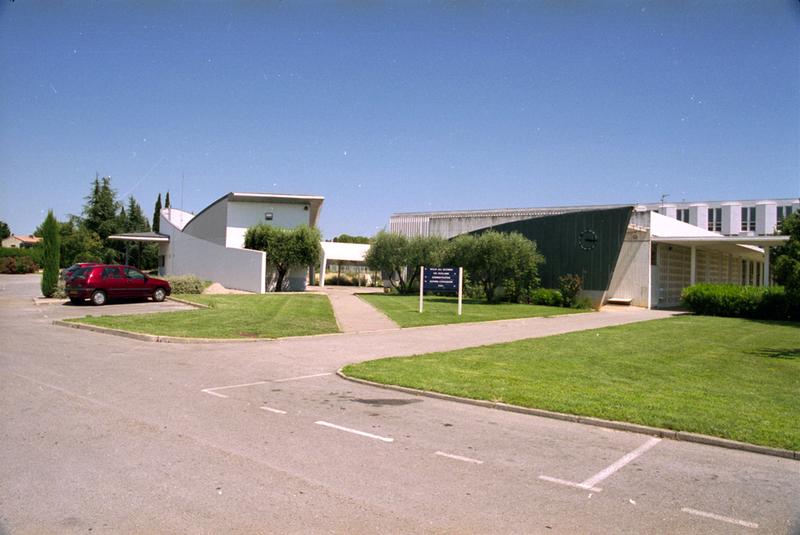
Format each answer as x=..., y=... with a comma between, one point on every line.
x=159, y=295
x=99, y=298
x=75, y=300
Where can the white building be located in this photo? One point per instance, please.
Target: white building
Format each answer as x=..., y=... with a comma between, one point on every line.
x=645, y=262
x=210, y=244
x=730, y=218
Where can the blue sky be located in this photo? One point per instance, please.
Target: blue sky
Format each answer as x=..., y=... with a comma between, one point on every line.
x=397, y=106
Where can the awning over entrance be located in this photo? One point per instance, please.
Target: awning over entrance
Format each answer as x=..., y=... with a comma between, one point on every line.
x=343, y=252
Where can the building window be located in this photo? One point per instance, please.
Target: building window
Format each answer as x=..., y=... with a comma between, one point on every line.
x=682, y=214
x=749, y=218
x=715, y=219
x=784, y=212
x=654, y=254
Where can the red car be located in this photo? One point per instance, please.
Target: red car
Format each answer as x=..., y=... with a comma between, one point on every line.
x=102, y=282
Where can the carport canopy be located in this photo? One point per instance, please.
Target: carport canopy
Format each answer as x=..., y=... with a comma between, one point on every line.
x=140, y=237
x=343, y=252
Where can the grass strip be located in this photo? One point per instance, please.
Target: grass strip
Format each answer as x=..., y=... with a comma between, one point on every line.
x=233, y=316
x=404, y=310
x=726, y=377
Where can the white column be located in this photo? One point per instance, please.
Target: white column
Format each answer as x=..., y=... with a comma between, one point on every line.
x=765, y=278
x=693, y=267
x=322, y=268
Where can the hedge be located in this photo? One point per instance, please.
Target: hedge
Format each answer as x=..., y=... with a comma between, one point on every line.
x=13, y=265
x=755, y=302
x=187, y=284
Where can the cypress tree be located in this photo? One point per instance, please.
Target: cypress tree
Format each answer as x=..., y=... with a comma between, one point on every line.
x=156, y=215
x=52, y=255
x=166, y=201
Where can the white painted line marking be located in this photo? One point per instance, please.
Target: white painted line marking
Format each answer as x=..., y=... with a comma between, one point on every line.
x=569, y=483
x=270, y=409
x=208, y=391
x=211, y=390
x=362, y=433
x=600, y=476
x=590, y=483
x=301, y=377
x=458, y=457
x=727, y=519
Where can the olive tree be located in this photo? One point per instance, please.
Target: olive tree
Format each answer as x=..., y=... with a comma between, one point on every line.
x=493, y=259
x=401, y=257
x=285, y=248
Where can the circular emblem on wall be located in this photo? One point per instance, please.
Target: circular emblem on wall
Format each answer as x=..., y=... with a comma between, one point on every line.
x=587, y=239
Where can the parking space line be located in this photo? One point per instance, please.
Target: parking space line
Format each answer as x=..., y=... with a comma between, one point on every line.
x=569, y=483
x=458, y=457
x=270, y=409
x=590, y=483
x=213, y=392
x=301, y=377
x=721, y=518
x=600, y=476
x=354, y=431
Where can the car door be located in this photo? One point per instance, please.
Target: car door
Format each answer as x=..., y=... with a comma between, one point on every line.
x=113, y=282
x=136, y=282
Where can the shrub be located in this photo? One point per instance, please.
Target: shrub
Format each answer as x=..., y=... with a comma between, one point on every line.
x=52, y=255
x=34, y=253
x=547, y=297
x=730, y=300
x=569, y=285
x=14, y=265
x=187, y=284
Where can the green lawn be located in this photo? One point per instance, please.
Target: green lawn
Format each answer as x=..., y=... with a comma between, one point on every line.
x=234, y=316
x=726, y=377
x=404, y=310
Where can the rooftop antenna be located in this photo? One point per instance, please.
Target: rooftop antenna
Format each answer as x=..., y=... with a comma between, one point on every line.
x=663, y=196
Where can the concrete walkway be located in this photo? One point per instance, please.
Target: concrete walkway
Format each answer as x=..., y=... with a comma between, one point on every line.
x=353, y=314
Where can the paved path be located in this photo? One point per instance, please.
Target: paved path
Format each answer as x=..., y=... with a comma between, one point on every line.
x=353, y=314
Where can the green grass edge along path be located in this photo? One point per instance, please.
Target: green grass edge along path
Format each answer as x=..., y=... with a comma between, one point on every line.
x=404, y=310
x=233, y=316
x=725, y=377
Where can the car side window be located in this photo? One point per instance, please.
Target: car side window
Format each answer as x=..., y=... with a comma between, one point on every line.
x=111, y=273
x=133, y=274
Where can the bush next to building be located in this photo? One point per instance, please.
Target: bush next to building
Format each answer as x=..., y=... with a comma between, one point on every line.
x=187, y=284
x=570, y=286
x=547, y=297
x=754, y=302
x=51, y=255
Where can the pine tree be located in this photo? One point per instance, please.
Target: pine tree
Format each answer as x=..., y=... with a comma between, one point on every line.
x=157, y=215
x=51, y=256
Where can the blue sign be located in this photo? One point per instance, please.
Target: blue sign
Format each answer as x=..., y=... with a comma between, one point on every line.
x=440, y=279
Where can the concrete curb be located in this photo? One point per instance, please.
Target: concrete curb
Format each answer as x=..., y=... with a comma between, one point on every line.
x=587, y=420
x=185, y=302
x=155, y=338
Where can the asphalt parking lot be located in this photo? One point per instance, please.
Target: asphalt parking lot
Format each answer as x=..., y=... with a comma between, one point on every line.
x=120, y=435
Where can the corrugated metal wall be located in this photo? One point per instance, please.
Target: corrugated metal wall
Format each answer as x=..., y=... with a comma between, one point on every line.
x=558, y=238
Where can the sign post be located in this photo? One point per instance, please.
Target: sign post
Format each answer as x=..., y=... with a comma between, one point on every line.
x=445, y=280
x=421, y=286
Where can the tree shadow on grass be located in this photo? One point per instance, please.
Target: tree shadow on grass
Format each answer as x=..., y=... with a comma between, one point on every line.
x=788, y=354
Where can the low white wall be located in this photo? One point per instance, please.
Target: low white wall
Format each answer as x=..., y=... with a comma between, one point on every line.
x=240, y=269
